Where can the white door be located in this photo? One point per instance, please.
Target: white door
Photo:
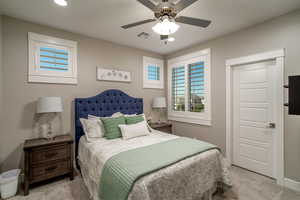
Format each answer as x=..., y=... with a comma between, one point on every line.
x=254, y=117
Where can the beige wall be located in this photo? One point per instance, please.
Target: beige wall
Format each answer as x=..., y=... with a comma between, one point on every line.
x=282, y=32
x=20, y=96
x=1, y=83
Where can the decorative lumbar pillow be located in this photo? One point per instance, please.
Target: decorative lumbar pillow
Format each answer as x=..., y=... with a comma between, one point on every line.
x=111, y=126
x=134, y=119
x=134, y=130
x=92, y=129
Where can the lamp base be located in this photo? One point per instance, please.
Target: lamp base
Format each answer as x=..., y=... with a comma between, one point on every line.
x=50, y=136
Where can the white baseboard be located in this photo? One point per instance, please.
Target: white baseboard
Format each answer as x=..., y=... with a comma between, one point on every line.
x=291, y=184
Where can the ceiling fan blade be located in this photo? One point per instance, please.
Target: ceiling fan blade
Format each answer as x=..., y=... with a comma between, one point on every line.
x=193, y=21
x=148, y=4
x=138, y=23
x=182, y=4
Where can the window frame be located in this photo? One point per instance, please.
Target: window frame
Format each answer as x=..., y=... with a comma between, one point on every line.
x=36, y=75
x=202, y=118
x=154, y=84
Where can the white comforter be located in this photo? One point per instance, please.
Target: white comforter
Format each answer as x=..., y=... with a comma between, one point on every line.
x=92, y=157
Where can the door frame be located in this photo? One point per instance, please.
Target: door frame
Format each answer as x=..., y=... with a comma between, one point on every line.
x=278, y=56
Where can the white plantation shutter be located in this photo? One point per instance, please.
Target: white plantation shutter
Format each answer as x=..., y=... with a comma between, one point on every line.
x=52, y=60
x=153, y=73
x=196, y=86
x=189, y=88
x=178, y=88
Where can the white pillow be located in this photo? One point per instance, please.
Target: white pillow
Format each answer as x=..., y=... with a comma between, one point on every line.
x=149, y=127
x=131, y=115
x=117, y=114
x=92, y=117
x=134, y=130
x=92, y=129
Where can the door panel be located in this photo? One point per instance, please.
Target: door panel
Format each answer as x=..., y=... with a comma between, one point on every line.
x=254, y=152
x=253, y=114
x=254, y=133
x=253, y=76
x=253, y=100
x=253, y=95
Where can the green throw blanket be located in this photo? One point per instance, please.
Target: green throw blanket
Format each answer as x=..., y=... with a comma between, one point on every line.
x=122, y=170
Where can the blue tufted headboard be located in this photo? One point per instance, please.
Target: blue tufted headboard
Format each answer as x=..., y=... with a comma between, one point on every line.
x=103, y=105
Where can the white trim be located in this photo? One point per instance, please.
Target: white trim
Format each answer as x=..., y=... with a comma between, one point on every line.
x=191, y=117
x=51, y=40
x=292, y=184
x=279, y=135
x=49, y=79
x=189, y=56
x=255, y=58
x=35, y=74
x=155, y=84
x=192, y=120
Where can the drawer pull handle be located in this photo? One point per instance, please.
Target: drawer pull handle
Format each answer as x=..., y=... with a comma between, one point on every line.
x=50, y=155
x=51, y=168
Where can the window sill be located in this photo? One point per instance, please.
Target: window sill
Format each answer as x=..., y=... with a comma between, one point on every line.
x=48, y=79
x=191, y=120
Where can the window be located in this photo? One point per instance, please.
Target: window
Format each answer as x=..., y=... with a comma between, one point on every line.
x=196, y=86
x=189, y=88
x=178, y=88
x=153, y=73
x=52, y=60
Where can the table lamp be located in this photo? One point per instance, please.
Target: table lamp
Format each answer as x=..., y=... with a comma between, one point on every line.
x=159, y=103
x=49, y=105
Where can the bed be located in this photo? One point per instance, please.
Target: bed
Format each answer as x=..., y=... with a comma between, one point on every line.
x=196, y=177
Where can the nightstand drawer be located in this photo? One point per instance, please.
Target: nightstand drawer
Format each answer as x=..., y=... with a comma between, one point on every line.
x=50, y=153
x=47, y=171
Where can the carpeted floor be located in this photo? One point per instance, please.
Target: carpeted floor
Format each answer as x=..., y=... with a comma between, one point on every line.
x=247, y=186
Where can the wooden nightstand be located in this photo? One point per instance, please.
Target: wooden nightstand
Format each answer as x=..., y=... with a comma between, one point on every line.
x=45, y=159
x=164, y=127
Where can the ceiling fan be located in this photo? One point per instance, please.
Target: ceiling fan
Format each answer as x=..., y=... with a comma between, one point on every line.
x=165, y=13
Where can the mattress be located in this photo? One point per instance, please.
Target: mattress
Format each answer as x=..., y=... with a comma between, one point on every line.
x=186, y=179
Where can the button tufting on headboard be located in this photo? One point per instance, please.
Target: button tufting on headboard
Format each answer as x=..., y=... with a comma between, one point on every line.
x=103, y=105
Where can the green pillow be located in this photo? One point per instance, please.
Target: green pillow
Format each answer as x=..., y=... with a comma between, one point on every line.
x=111, y=127
x=134, y=119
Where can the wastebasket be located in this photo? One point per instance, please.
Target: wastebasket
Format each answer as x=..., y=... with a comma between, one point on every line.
x=9, y=183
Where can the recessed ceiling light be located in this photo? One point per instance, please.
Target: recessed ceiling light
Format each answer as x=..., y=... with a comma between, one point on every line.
x=61, y=2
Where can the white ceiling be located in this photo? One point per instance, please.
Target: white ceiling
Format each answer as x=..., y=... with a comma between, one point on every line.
x=103, y=18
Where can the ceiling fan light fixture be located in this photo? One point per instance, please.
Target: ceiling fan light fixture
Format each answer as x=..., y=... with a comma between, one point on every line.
x=61, y=2
x=165, y=27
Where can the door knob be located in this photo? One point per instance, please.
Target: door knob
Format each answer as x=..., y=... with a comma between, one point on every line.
x=271, y=125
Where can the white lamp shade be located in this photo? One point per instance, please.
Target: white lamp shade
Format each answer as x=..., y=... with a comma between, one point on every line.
x=165, y=27
x=49, y=105
x=159, y=102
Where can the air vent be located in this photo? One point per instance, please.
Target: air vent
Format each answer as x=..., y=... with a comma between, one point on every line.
x=143, y=35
